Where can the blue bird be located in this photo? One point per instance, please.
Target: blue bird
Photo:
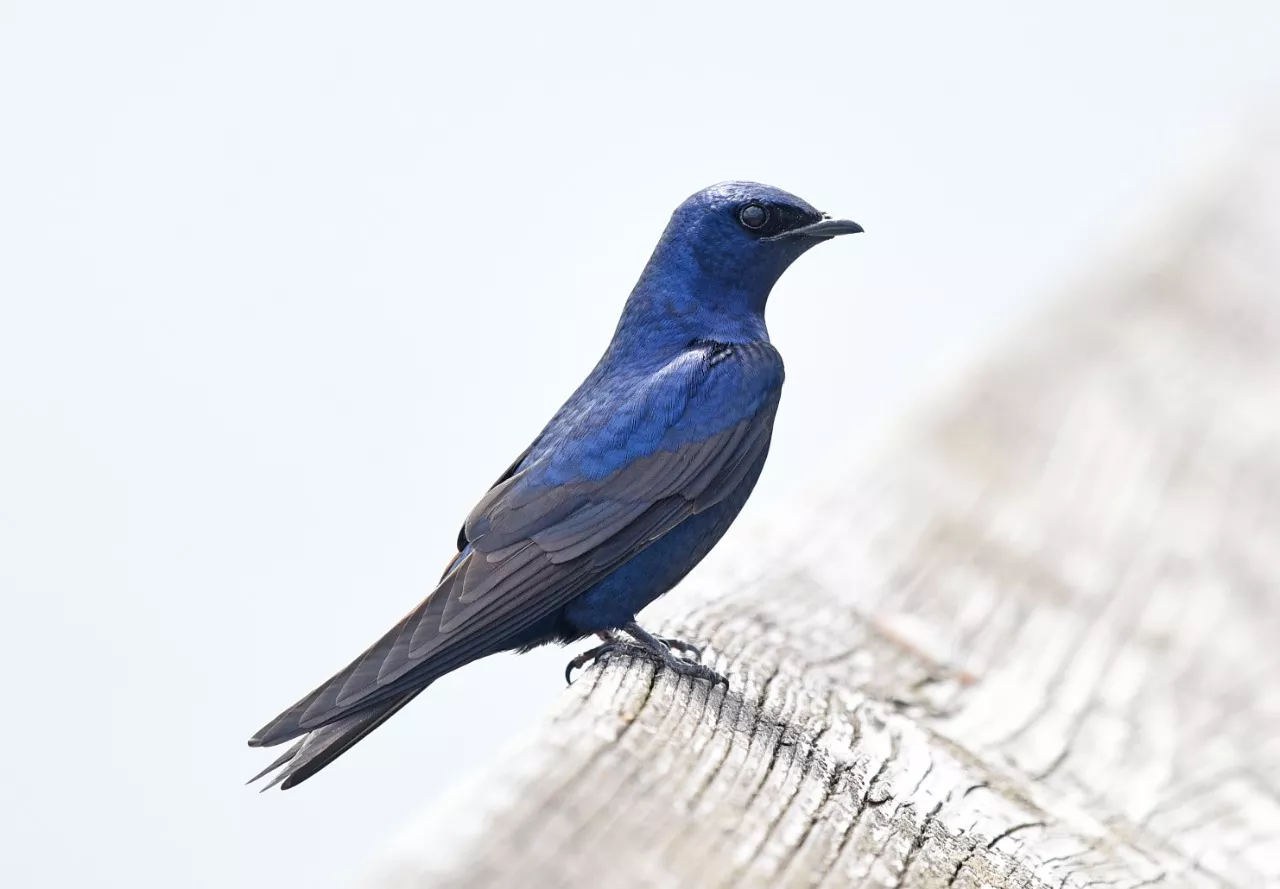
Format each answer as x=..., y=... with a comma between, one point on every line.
x=633, y=481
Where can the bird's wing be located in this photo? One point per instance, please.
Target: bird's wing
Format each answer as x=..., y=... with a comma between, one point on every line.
x=507, y=473
x=612, y=476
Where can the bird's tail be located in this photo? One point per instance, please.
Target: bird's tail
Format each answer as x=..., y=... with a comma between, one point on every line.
x=316, y=750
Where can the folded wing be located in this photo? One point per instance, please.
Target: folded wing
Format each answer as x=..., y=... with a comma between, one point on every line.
x=537, y=540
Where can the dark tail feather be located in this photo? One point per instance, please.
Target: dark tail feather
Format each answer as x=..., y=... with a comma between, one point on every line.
x=281, y=760
x=327, y=743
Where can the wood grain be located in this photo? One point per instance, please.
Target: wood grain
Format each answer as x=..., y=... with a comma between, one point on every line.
x=1036, y=645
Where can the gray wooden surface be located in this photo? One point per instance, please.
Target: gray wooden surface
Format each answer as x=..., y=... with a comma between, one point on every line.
x=1036, y=644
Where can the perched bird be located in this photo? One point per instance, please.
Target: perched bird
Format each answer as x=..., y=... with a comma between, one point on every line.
x=632, y=482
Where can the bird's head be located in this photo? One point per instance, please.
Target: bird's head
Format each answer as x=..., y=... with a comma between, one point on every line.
x=727, y=245
x=742, y=220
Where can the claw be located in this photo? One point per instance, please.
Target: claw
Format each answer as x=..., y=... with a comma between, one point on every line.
x=696, y=671
x=591, y=654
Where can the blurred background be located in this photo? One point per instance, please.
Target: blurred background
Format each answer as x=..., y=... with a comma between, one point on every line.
x=283, y=286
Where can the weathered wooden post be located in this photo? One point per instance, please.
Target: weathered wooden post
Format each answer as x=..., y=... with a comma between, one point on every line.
x=1039, y=646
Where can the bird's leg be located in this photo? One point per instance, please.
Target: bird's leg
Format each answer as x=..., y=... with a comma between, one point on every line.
x=660, y=650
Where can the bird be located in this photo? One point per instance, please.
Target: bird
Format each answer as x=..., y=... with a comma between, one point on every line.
x=632, y=482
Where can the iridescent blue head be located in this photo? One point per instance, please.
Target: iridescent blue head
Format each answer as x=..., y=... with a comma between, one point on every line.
x=724, y=249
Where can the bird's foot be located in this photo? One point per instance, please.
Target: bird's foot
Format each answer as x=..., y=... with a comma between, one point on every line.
x=591, y=655
x=682, y=666
x=662, y=651
x=657, y=649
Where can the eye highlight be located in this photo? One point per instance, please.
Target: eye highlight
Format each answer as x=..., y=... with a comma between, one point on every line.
x=753, y=216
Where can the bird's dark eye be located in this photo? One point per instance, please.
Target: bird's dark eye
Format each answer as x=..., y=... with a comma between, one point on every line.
x=753, y=216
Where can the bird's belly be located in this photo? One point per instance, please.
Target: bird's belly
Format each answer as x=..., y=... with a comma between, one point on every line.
x=617, y=598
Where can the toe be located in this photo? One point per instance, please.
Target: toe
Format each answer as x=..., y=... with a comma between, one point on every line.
x=683, y=647
x=696, y=671
x=693, y=651
x=599, y=653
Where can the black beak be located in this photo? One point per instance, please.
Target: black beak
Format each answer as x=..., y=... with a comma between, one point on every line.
x=826, y=227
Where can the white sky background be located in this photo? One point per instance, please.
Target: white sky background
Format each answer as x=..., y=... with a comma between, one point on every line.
x=283, y=287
